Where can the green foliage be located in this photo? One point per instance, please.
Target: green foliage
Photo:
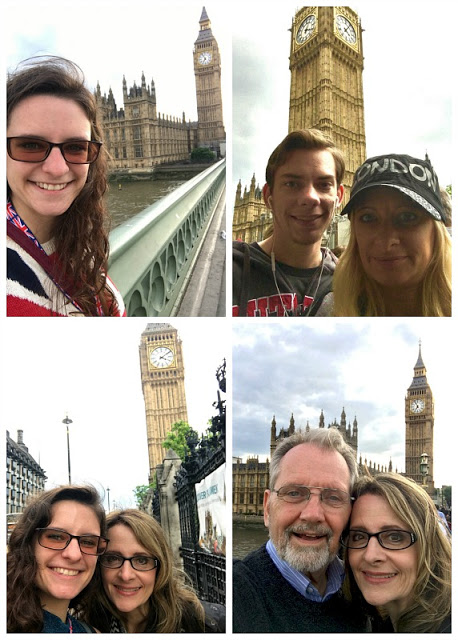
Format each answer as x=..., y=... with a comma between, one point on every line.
x=176, y=438
x=448, y=188
x=142, y=490
x=202, y=154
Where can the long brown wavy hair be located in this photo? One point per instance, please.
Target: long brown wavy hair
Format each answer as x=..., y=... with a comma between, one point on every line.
x=24, y=610
x=430, y=602
x=81, y=233
x=174, y=606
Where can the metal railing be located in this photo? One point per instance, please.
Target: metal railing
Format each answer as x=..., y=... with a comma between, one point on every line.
x=152, y=253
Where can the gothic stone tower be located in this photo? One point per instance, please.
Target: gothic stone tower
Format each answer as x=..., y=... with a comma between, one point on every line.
x=326, y=64
x=162, y=372
x=349, y=433
x=207, y=69
x=419, y=415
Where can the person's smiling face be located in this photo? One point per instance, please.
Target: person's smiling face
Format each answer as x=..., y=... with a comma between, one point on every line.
x=128, y=589
x=307, y=534
x=303, y=197
x=41, y=191
x=62, y=575
x=385, y=577
x=395, y=238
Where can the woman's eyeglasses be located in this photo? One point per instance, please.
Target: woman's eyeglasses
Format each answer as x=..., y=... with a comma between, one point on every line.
x=139, y=563
x=58, y=540
x=392, y=539
x=27, y=149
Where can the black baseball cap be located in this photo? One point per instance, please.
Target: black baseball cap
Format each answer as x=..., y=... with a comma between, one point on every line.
x=414, y=177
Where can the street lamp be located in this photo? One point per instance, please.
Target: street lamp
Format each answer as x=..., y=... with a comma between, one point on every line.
x=67, y=421
x=424, y=467
x=108, y=494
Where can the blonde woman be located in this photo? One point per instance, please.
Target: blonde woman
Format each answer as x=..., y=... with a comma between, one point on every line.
x=398, y=259
x=398, y=557
x=141, y=590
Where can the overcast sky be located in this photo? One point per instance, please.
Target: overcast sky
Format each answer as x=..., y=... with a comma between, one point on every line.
x=112, y=38
x=406, y=81
x=365, y=367
x=91, y=369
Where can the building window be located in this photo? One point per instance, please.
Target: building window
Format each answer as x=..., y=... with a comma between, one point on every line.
x=138, y=151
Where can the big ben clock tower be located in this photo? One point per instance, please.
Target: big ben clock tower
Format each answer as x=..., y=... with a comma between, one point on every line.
x=162, y=372
x=326, y=63
x=419, y=412
x=207, y=70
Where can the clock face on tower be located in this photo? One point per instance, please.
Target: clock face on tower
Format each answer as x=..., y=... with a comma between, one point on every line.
x=417, y=406
x=161, y=357
x=205, y=57
x=306, y=29
x=346, y=29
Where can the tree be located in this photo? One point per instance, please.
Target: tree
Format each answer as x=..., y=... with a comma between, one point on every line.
x=176, y=438
x=202, y=154
x=141, y=491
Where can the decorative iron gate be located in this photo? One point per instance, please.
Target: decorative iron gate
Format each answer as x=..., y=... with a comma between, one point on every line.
x=206, y=570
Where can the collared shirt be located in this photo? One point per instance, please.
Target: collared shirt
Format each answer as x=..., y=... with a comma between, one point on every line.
x=335, y=574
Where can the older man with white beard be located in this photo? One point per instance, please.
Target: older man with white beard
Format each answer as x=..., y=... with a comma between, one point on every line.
x=293, y=583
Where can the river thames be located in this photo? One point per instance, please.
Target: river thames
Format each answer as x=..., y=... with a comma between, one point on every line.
x=126, y=199
x=247, y=537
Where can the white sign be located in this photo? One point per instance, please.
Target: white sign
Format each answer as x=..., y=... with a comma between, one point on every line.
x=211, y=507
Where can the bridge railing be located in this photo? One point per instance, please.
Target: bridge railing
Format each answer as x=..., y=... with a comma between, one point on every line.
x=151, y=254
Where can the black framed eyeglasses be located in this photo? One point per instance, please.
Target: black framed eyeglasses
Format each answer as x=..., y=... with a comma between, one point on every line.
x=58, y=540
x=392, y=539
x=294, y=493
x=28, y=149
x=139, y=563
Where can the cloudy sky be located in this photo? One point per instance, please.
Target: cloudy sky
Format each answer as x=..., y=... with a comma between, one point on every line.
x=365, y=367
x=406, y=80
x=112, y=38
x=91, y=370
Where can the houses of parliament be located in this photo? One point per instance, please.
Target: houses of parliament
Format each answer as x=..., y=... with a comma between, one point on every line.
x=251, y=478
x=139, y=137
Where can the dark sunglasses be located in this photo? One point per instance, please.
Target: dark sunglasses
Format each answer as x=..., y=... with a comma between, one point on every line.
x=27, y=149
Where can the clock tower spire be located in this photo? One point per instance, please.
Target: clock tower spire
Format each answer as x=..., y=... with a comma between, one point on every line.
x=207, y=70
x=419, y=417
x=162, y=372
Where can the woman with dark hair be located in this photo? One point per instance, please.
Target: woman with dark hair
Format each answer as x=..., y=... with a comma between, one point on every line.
x=398, y=261
x=52, y=555
x=398, y=557
x=56, y=179
x=143, y=592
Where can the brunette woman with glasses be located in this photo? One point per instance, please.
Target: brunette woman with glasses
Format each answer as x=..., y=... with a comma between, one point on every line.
x=56, y=178
x=52, y=556
x=142, y=591
x=398, y=557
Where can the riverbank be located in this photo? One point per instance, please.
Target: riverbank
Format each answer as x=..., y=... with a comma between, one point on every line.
x=183, y=172
x=238, y=518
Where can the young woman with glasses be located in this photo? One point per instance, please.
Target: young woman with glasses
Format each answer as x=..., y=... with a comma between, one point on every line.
x=142, y=591
x=398, y=557
x=56, y=179
x=52, y=556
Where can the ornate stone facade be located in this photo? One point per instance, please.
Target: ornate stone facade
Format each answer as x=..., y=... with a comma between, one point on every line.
x=207, y=70
x=326, y=92
x=162, y=373
x=138, y=137
x=251, y=216
x=24, y=476
x=419, y=416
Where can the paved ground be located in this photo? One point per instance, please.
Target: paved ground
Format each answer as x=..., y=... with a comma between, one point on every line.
x=206, y=291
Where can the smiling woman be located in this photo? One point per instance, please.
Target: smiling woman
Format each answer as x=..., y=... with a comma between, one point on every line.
x=398, y=260
x=52, y=555
x=56, y=178
x=398, y=557
x=142, y=591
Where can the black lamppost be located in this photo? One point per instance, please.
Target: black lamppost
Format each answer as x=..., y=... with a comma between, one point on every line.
x=67, y=421
x=108, y=494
